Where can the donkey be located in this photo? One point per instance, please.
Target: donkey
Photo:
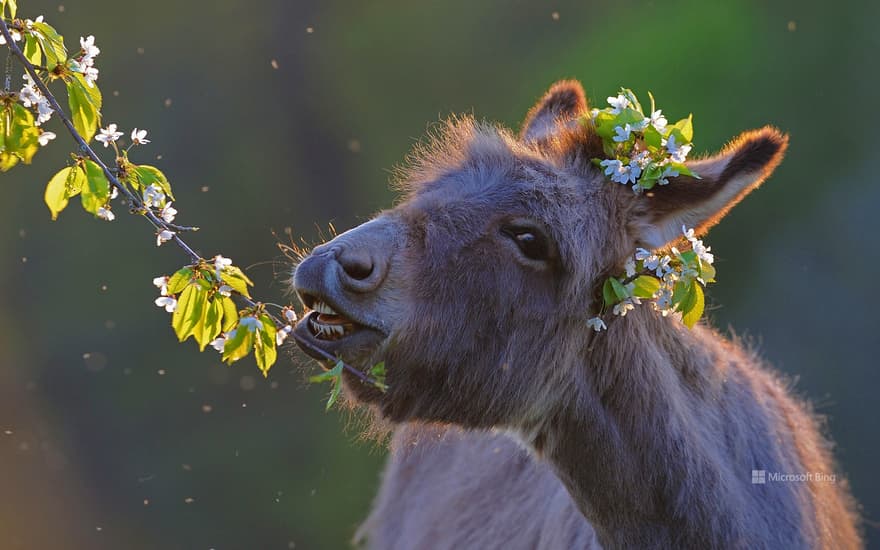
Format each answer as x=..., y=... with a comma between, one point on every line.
x=519, y=427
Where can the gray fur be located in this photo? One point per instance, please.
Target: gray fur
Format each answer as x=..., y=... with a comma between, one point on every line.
x=652, y=429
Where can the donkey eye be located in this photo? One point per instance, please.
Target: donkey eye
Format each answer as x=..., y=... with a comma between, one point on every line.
x=531, y=242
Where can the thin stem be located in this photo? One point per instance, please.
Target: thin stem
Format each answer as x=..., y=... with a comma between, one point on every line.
x=133, y=199
x=138, y=203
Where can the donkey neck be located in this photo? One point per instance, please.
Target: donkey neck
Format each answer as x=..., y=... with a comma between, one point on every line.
x=631, y=446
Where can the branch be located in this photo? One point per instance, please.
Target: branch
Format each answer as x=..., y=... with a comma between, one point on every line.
x=139, y=205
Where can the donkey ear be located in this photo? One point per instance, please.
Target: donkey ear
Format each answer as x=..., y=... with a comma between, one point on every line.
x=563, y=101
x=727, y=177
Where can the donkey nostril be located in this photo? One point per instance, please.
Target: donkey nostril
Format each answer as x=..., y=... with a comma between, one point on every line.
x=357, y=266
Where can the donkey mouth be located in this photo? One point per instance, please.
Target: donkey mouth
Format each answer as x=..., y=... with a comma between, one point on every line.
x=326, y=324
x=335, y=334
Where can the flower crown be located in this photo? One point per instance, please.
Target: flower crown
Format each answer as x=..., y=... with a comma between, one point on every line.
x=646, y=151
x=642, y=150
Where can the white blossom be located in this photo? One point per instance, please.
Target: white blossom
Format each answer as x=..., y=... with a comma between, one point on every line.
x=162, y=284
x=623, y=307
x=108, y=135
x=105, y=214
x=701, y=250
x=630, y=267
x=45, y=137
x=29, y=96
x=163, y=236
x=154, y=196
x=618, y=103
x=114, y=192
x=635, y=170
x=668, y=172
x=168, y=213
x=658, y=121
x=44, y=111
x=677, y=152
x=169, y=303
x=282, y=334
x=251, y=323
x=597, y=324
x=221, y=263
x=88, y=47
x=219, y=342
x=225, y=290
x=623, y=133
x=138, y=137
x=91, y=75
x=290, y=315
x=16, y=36
x=642, y=254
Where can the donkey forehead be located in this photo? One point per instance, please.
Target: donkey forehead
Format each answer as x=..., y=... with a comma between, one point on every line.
x=481, y=170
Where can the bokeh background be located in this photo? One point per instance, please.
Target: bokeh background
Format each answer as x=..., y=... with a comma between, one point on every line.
x=273, y=118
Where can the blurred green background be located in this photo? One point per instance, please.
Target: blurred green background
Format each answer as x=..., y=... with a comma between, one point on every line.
x=112, y=435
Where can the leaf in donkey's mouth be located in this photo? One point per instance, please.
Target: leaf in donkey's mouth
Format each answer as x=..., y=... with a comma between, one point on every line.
x=334, y=375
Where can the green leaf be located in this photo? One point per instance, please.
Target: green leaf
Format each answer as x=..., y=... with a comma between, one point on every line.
x=52, y=43
x=179, y=280
x=334, y=375
x=646, y=286
x=148, y=175
x=683, y=170
x=631, y=96
x=604, y=123
x=685, y=128
x=63, y=185
x=85, y=106
x=239, y=345
x=230, y=313
x=378, y=375
x=189, y=312
x=264, y=345
x=692, y=306
x=32, y=50
x=619, y=290
x=96, y=191
x=653, y=139
x=235, y=277
x=209, y=326
x=608, y=293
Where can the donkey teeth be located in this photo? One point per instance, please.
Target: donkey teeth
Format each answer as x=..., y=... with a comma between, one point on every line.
x=328, y=332
x=321, y=307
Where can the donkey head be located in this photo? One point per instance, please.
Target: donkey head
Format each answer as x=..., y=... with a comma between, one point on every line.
x=476, y=288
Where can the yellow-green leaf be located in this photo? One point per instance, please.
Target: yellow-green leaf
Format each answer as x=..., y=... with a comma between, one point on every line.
x=96, y=191
x=264, y=346
x=209, y=326
x=179, y=280
x=12, y=8
x=230, y=313
x=63, y=185
x=85, y=106
x=32, y=50
x=645, y=286
x=53, y=44
x=148, y=175
x=235, y=277
x=239, y=345
x=692, y=305
x=190, y=307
